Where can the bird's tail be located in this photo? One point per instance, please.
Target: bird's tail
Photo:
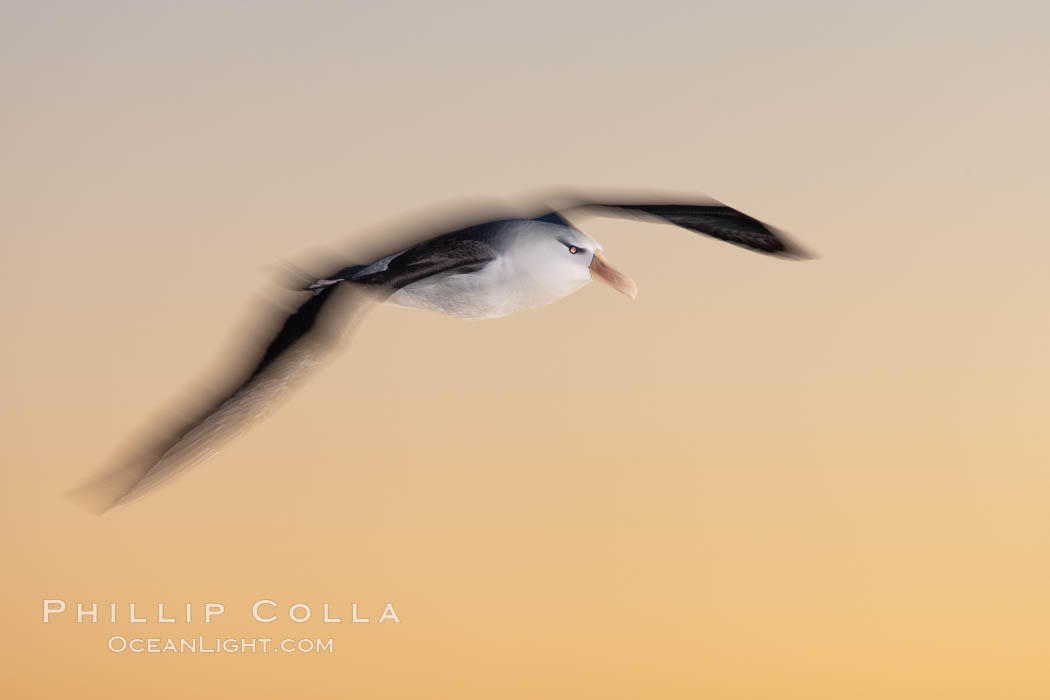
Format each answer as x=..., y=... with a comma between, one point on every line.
x=346, y=273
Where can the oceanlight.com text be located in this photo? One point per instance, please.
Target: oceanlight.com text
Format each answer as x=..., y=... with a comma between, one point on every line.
x=119, y=644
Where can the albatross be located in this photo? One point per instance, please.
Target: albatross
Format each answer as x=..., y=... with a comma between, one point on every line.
x=485, y=270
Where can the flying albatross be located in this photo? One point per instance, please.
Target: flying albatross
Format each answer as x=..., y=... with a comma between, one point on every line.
x=485, y=270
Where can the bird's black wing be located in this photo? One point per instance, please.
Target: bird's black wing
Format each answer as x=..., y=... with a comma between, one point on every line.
x=454, y=253
x=294, y=345
x=458, y=252
x=712, y=218
x=290, y=347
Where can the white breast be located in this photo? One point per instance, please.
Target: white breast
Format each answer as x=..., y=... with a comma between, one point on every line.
x=500, y=288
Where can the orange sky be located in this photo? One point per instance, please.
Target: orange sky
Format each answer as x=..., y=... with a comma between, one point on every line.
x=761, y=479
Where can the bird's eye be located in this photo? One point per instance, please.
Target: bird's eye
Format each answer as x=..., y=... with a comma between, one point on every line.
x=572, y=249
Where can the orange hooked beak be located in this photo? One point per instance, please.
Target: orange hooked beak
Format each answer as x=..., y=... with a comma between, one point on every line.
x=613, y=277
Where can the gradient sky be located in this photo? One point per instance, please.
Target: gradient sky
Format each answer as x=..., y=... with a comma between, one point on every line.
x=761, y=479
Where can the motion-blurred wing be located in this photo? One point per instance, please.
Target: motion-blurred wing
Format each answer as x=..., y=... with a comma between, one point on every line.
x=712, y=219
x=297, y=345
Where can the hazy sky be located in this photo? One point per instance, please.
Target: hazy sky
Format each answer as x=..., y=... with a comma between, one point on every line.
x=761, y=479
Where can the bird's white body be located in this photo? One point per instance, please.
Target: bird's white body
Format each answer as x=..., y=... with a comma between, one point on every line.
x=533, y=269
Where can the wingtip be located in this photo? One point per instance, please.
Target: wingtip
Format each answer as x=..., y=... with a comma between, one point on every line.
x=91, y=500
x=789, y=248
x=796, y=252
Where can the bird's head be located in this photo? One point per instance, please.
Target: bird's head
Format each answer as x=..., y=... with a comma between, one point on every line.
x=569, y=258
